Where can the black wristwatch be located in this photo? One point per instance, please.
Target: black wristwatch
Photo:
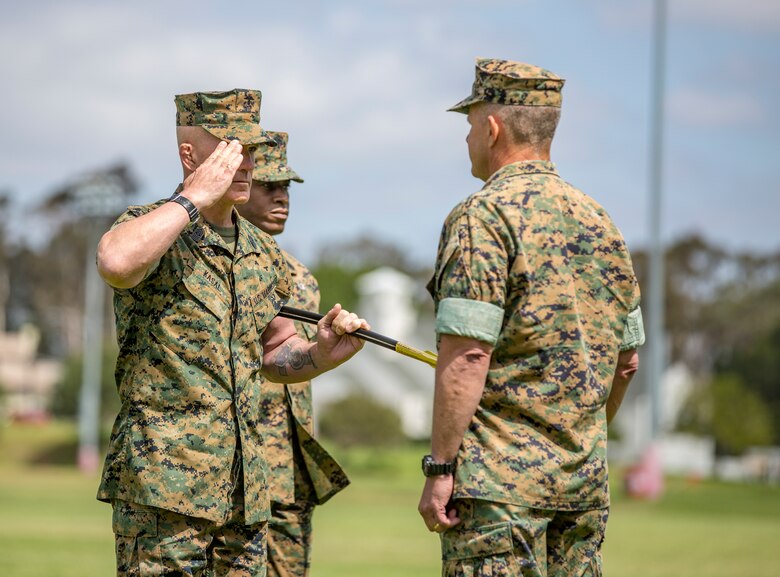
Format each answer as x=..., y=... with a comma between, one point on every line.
x=192, y=210
x=431, y=468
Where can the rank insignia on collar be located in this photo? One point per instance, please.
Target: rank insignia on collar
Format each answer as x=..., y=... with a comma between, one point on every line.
x=197, y=233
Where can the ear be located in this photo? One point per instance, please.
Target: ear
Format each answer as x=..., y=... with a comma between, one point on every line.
x=185, y=154
x=494, y=129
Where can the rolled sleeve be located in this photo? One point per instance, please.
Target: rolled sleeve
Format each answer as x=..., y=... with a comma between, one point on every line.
x=634, y=331
x=468, y=318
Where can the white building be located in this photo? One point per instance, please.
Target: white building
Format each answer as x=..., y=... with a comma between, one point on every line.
x=401, y=383
x=26, y=381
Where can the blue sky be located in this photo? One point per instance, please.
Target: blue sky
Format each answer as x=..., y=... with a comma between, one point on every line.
x=362, y=88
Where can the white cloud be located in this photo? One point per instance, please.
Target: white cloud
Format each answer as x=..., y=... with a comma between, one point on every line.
x=707, y=109
x=624, y=13
x=758, y=15
x=747, y=15
x=361, y=87
x=344, y=20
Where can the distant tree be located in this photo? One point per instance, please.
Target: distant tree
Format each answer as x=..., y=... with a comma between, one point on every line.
x=3, y=409
x=733, y=414
x=691, y=267
x=364, y=252
x=714, y=299
x=5, y=257
x=49, y=285
x=359, y=420
x=337, y=285
x=48, y=282
x=757, y=361
x=338, y=266
x=722, y=319
x=65, y=402
x=741, y=327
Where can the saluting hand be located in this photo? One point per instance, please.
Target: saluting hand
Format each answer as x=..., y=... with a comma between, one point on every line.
x=212, y=178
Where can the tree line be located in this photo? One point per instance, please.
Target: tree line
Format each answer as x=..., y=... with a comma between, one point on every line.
x=722, y=316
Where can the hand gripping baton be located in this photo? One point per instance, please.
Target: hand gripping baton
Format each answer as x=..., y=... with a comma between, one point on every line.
x=369, y=336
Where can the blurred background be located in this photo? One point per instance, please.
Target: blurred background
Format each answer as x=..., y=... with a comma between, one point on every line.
x=683, y=155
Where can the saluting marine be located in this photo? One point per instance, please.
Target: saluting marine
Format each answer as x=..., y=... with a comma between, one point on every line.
x=197, y=290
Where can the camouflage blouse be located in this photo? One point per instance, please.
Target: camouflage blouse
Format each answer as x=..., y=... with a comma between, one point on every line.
x=287, y=418
x=188, y=374
x=550, y=260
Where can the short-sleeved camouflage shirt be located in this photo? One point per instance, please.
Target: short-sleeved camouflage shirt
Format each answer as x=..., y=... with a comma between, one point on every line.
x=287, y=416
x=551, y=259
x=188, y=374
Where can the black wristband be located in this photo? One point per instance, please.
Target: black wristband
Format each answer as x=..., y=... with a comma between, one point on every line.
x=431, y=468
x=192, y=210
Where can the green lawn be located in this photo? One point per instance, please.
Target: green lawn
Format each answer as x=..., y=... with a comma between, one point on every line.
x=51, y=525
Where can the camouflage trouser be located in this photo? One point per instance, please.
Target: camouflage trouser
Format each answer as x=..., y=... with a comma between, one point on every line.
x=289, y=539
x=151, y=542
x=495, y=539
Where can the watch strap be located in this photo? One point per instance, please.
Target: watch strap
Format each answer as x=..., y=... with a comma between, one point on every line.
x=431, y=468
x=192, y=210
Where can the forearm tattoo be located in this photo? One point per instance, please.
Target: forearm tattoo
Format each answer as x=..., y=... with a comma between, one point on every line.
x=292, y=358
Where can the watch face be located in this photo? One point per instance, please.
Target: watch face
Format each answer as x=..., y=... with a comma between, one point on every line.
x=431, y=468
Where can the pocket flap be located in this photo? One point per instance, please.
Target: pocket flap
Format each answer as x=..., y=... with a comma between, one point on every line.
x=130, y=521
x=482, y=542
x=206, y=287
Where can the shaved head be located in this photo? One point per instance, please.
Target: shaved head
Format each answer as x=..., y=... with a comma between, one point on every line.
x=531, y=126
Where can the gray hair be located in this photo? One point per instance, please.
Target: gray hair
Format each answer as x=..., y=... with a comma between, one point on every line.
x=532, y=126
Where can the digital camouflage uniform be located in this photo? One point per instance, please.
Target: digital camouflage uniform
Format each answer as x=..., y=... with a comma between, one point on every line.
x=302, y=473
x=536, y=268
x=186, y=451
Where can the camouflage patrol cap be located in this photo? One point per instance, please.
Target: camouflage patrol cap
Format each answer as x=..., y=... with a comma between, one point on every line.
x=234, y=114
x=512, y=83
x=271, y=161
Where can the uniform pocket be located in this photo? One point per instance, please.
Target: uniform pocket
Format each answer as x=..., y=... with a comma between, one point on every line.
x=135, y=532
x=211, y=291
x=194, y=314
x=481, y=542
x=132, y=520
x=487, y=551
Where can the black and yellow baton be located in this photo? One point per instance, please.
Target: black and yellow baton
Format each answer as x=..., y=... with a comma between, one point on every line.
x=369, y=336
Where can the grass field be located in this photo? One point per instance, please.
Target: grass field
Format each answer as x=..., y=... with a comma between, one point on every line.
x=51, y=525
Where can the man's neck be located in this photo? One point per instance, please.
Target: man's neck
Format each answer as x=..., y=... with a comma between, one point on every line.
x=220, y=214
x=511, y=155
